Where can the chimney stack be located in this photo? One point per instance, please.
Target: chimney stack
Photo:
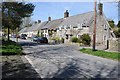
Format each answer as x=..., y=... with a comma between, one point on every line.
x=66, y=14
x=39, y=21
x=35, y=22
x=49, y=18
x=100, y=8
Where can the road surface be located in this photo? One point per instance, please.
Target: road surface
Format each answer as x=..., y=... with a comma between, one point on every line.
x=66, y=61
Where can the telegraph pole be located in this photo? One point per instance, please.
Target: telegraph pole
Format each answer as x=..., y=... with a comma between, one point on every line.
x=94, y=31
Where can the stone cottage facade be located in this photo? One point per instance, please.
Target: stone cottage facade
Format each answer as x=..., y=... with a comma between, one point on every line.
x=76, y=25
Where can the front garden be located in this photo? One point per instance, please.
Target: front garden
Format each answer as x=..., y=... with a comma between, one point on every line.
x=83, y=40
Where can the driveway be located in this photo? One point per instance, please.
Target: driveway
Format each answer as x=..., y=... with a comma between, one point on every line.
x=66, y=61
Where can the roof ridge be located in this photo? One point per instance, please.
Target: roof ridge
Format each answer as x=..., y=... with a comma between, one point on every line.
x=81, y=14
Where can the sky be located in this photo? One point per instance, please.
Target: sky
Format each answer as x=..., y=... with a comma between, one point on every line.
x=56, y=9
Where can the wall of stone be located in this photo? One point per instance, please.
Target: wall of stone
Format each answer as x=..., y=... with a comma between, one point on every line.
x=114, y=44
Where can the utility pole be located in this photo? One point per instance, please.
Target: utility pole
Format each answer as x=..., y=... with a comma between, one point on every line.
x=94, y=31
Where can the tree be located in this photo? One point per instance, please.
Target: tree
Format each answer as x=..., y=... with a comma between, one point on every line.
x=117, y=32
x=26, y=22
x=14, y=12
x=118, y=25
x=111, y=23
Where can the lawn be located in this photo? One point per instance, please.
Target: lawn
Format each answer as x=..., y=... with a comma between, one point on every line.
x=101, y=53
x=10, y=48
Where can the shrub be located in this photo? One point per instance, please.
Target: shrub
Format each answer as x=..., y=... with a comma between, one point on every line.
x=74, y=39
x=86, y=39
x=62, y=39
x=56, y=39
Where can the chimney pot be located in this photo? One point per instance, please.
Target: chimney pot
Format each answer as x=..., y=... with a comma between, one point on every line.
x=39, y=21
x=100, y=8
x=49, y=18
x=66, y=14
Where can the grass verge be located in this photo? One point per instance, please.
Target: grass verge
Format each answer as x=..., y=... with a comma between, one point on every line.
x=10, y=48
x=101, y=53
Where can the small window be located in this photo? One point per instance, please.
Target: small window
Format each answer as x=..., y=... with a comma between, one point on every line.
x=62, y=27
x=75, y=27
x=104, y=37
x=80, y=26
x=45, y=31
x=105, y=27
x=68, y=27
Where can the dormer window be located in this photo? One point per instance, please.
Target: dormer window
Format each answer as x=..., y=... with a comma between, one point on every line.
x=67, y=27
x=75, y=27
x=105, y=27
x=80, y=26
x=62, y=27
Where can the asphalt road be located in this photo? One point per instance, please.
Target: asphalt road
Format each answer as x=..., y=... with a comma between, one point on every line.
x=66, y=61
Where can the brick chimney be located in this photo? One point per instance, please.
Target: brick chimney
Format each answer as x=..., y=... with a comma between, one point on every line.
x=100, y=8
x=49, y=18
x=39, y=21
x=66, y=14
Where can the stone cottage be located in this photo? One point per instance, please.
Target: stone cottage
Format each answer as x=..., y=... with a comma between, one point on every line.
x=77, y=25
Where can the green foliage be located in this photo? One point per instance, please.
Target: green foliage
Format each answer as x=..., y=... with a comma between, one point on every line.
x=38, y=34
x=86, y=39
x=50, y=32
x=10, y=48
x=13, y=13
x=101, y=53
x=56, y=38
x=74, y=39
x=118, y=25
x=111, y=23
x=62, y=39
x=117, y=32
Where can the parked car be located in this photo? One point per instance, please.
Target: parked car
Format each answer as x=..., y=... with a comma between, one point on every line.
x=23, y=36
x=40, y=39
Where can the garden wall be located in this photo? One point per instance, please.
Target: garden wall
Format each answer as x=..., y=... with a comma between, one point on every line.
x=114, y=44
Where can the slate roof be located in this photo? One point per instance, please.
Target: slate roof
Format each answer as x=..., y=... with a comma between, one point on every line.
x=53, y=24
x=33, y=27
x=42, y=25
x=85, y=19
x=78, y=19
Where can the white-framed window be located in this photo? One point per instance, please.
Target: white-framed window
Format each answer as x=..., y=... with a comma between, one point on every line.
x=80, y=26
x=67, y=27
x=62, y=27
x=70, y=26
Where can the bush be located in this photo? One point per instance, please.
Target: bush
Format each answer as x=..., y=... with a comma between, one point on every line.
x=56, y=39
x=86, y=39
x=62, y=39
x=74, y=39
